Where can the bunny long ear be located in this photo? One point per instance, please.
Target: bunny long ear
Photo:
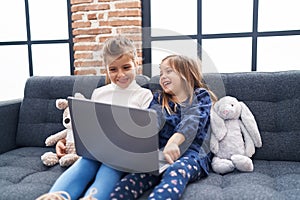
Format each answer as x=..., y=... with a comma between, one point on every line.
x=217, y=124
x=250, y=124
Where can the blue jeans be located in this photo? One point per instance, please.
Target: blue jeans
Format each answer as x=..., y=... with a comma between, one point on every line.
x=86, y=174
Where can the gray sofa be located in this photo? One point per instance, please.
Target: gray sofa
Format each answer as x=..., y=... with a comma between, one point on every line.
x=273, y=97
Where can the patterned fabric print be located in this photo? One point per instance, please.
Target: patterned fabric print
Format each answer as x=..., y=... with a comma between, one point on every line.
x=192, y=120
x=176, y=178
x=133, y=186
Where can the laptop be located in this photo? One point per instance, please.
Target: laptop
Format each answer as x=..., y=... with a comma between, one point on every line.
x=124, y=138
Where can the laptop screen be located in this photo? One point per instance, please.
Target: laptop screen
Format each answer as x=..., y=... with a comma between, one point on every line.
x=121, y=137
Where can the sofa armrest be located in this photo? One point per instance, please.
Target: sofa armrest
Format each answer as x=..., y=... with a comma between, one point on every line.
x=9, y=115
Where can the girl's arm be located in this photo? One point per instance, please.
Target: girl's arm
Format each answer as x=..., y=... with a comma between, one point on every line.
x=194, y=119
x=171, y=150
x=146, y=98
x=156, y=105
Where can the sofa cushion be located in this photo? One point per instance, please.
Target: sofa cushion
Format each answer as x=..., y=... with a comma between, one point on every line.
x=275, y=105
x=270, y=180
x=23, y=175
x=39, y=117
x=276, y=180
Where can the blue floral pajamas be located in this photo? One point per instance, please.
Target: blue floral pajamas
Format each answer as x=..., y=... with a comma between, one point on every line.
x=191, y=120
x=171, y=184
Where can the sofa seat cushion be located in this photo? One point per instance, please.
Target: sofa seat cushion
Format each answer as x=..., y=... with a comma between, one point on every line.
x=23, y=175
x=269, y=180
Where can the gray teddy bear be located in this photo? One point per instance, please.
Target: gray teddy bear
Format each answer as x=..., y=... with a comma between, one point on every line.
x=234, y=136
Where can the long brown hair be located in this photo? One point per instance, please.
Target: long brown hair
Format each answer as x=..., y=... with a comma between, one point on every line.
x=190, y=72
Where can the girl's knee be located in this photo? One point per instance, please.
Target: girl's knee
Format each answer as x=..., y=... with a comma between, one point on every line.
x=89, y=163
x=82, y=164
x=177, y=167
x=185, y=168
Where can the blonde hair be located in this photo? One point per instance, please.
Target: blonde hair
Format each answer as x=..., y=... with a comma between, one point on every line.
x=116, y=47
x=190, y=72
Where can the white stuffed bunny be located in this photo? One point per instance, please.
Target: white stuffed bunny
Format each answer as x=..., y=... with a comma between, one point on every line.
x=234, y=136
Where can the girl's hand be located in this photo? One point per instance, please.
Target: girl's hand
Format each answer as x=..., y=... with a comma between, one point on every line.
x=171, y=152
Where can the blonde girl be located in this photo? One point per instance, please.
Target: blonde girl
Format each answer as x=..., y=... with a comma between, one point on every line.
x=87, y=178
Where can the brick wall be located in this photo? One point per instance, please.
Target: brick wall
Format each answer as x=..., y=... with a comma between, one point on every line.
x=96, y=20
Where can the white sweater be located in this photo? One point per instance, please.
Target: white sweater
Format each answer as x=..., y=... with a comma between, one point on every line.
x=133, y=96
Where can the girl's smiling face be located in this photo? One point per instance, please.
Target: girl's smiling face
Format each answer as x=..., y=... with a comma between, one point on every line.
x=171, y=82
x=122, y=71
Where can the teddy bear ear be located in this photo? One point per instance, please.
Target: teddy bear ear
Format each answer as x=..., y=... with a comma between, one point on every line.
x=79, y=95
x=61, y=104
x=250, y=124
